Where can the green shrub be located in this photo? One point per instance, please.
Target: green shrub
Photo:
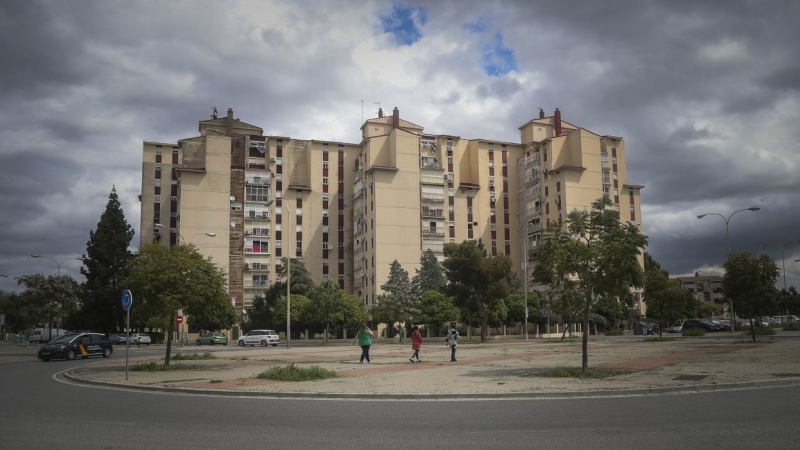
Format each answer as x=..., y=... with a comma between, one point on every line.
x=693, y=332
x=193, y=356
x=614, y=333
x=759, y=331
x=794, y=326
x=155, y=367
x=659, y=339
x=294, y=373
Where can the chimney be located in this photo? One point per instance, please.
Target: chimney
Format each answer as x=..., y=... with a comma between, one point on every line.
x=380, y=113
x=558, y=122
x=229, y=122
x=541, y=113
x=396, y=118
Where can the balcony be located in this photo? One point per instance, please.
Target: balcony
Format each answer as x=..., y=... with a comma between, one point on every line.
x=257, y=250
x=432, y=231
x=257, y=181
x=432, y=212
x=260, y=284
x=432, y=197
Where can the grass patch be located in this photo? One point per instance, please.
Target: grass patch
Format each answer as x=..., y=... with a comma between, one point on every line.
x=193, y=356
x=575, y=372
x=294, y=373
x=794, y=326
x=156, y=367
x=659, y=339
x=760, y=331
x=693, y=332
x=215, y=381
x=614, y=333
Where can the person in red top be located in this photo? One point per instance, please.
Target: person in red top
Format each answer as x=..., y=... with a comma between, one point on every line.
x=416, y=343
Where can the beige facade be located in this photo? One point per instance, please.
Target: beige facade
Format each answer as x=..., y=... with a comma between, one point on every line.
x=705, y=288
x=349, y=210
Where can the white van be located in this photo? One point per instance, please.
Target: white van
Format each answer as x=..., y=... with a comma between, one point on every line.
x=43, y=334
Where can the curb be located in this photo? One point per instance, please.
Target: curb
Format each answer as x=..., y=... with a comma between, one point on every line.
x=637, y=392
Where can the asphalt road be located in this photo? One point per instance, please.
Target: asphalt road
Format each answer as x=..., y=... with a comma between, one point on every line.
x=39, y=412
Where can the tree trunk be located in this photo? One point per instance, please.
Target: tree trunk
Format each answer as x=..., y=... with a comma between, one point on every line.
x=484, y=320
x=566, y=327
x=752, y=328
x=585, y=341
x=169, y=337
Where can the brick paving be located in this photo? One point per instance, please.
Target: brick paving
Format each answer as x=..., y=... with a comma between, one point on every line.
x=505, y=368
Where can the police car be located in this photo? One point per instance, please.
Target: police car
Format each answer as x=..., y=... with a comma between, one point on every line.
x=77, y=344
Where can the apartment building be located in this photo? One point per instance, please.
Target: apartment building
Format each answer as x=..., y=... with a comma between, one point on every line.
x=705, y=288
x=349, y=210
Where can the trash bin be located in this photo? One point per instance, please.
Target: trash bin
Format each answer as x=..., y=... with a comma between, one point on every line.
x=19, y=338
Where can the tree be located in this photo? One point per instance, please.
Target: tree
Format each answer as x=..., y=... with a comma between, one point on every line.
x=708, y=310
x=48, y=298
x=429, y=277
x=397, y=303
x=566, y=302
x=749, y=282
x=301, y=280
x=105, y=261
x=18, y=315
x=596, y=250
x=475, y=278
x=435, y=309
x=164, y=280
x=301, y=315
x=330, y=305
x=665, y=299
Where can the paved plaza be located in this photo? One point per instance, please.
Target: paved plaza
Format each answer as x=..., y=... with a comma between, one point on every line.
x=498, y=369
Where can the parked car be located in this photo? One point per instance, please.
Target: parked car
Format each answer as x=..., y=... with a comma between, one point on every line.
x=140, y=338
x=76, y=344
x=676, y=327
x=212, y=338
x=721, y=324
x=118, y=338
x=259, y=337
x=45, y=334
x=698, y=323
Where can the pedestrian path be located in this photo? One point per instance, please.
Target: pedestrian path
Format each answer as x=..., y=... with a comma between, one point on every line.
x=511, y=368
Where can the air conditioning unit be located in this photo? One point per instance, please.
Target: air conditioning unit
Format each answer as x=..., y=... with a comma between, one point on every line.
x=272, y=160
x=248, y=233
x=475, y=224
x=493, y=200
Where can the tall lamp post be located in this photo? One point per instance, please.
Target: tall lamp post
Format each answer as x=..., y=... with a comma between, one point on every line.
x=783, y=263
x=525, y=274
x=728, y=239
x=186, y=240
x=288, y=294
x=58, y=272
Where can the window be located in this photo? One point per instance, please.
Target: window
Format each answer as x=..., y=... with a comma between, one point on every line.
x=277, y=244
x=325, y=181
x=325, y=165
x=299, y=247
x=630, y=192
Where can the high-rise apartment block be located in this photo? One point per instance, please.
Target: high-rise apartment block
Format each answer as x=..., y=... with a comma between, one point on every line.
x=350, y=209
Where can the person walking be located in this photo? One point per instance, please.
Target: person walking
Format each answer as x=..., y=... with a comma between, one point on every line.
x=452, y=341
x=364, y=337
x=416, y=343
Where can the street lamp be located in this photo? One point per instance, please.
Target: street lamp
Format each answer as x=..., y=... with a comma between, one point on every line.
x=783, y=263
x=58, y=267
x=728, y=238
x=525, y=274
x=288, y=295
x=175, y=230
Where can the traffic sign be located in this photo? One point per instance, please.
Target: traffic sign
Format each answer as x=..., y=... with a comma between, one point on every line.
x=179, y=319
x=127, y=300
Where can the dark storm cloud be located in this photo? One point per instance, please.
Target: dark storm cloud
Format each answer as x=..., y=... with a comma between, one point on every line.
x=705, y=94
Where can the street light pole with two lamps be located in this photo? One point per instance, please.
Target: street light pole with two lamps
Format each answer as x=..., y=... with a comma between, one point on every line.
x=728, y=239
x=783, y=262
x=186, y=240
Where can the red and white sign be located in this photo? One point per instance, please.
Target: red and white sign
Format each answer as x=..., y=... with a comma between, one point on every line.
x=179, y=319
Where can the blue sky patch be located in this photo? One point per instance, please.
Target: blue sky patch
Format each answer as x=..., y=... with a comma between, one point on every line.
x=498, y=59
x=404, y=24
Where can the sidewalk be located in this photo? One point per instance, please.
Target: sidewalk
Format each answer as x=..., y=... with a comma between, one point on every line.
x=493, y=370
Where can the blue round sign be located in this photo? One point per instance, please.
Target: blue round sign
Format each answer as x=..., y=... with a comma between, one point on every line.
x=127, y=300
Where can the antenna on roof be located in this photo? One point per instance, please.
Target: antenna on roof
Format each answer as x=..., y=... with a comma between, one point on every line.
x=378, y=103
x=214, y=112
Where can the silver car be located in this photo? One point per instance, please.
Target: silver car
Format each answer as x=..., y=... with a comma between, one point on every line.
x=259, y=337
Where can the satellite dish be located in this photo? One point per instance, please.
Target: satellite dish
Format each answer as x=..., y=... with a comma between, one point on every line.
x=233, y=224
x=233, y=198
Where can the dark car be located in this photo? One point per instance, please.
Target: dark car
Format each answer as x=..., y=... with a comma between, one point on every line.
x=119, y=338
x=77, y=344
x=699, y=323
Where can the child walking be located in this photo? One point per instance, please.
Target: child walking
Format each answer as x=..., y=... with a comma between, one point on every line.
x=452, y=341
x=416, y=343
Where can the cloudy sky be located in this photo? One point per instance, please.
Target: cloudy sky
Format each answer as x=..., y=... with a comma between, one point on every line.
x=705, y=93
